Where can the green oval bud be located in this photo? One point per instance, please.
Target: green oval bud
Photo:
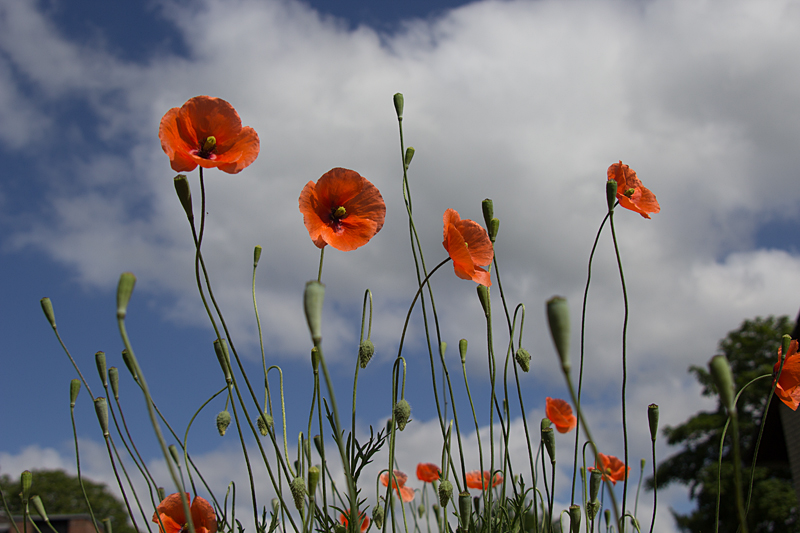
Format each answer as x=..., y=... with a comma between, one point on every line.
x=124, y=290
x=492, y=229
x=113, y=377
x=558, y=320
x=47, y=307
x=126, y=357
x=549, y=439
x=483, y=296
x=223, y=421
x=487, y=206
x=652, y=419
x=184, y=195
x=312, y=303
x=409, y=156
x=445, y=492
x=365, y=352
x=523, y=358
x=313, y=480
x=39, y=506
x=402, y=412
x=264, y=423
x=256, y=255
x=298, y=488
x=378, y=514
x=607, y=516
x=398, y=105
x=462, y=350
x=74, y=389
x=611, y=194
x=100, y=361
x=101, y=408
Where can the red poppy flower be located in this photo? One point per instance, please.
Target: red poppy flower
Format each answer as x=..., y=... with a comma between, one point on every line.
x=362, y=515
x=612, y=469
x=788, y=387
x=469, y=246
x=406, y=493
x=478, y=480
x=208, y=132
x=173, y=519
x=630, y=191
x=342, y=209
x=560, y=413
x=427, y=472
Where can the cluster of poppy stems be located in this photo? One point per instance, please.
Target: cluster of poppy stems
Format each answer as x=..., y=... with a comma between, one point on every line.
x=345, y=210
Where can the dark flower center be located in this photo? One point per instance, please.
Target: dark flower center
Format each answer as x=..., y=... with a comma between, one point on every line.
x=208, y=148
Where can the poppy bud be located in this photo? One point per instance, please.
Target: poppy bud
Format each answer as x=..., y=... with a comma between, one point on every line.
x=402, y=411
x=312, y=303
x=47, y=307
x=483, y=296
x=595, y=477
x=642, y=463
x=318, y=445
x=652, y=418
x=575, y=518
x=409, y=156
x=377, y=515
x=107, y=525
x=523, y=359
x=100, y=361
x=464, y=510
x=26, y=480
x=558, y=319
x=223, y=357
x=124, y=290
x=445, y=492
x=549, y=439
x=398, y=105
x=313, y=480
x=74, y=389
x=421, y=510
x=462, y=350
x=786, y=343
x=487, y=206
x=611, y=194
x=493, y=227
x=39, y=506
x=256, y=255
x=298, y=488
x=223, y=421
x=113, y=377
x=101, y=407
x=723, y=379
x=365, y=352
x=126, y=357
x=184, y=194
x=607, y=516
x=264, y=423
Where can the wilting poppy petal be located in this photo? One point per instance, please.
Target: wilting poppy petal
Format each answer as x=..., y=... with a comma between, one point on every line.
x=208, y=132
x=427, y=472
x=560, y=414
x=362, y=515
x=630, y=191
x=611, y=468
x=469, y=247
x=170, y=510
x=480, y=480
x=342, y=209
x=406, y=493
x=788, y=386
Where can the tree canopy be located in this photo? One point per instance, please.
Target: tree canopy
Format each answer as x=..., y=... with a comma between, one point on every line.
x=752, y=351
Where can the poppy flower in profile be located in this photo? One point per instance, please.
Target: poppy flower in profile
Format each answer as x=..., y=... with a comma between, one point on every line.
x=560, y=413
x=480, y=480
x=427, y=472
x=342, y=209
x=469, y=247
x=612, y=469
x=364, y=520
x=630, y=191
x=788, y=386
x=406, y=493
x=173, y=519
x=208, y=132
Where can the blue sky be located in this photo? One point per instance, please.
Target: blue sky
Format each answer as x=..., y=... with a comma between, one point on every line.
x=527, y=102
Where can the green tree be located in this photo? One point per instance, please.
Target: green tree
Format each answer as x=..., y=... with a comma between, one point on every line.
x=61, y=494
x=752, y=351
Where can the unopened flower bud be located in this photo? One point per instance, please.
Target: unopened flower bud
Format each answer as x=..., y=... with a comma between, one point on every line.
x=607, y=516
x=101, y=407
x=298, y=488
x=421, y=510
x=652, y=418
x=313, y=480
x=523, y=358
x=483, y=296
x=223, y=357
x=256, y=255
x=402, y=412
x=611, y=194
x=398, y=105
x=365, y=352
x=124, y=290
x=723, y=379
x=487, y=206
x=26, y=480
x=100, y=361
x=462, y=350
x=39, y=506
x=264, y=423
x=184, y=194
x=378, y=514
x=549, y=439
x=74, y=389
x=318, y=445
x=47, y=307
x=223, y=421
x=445, y=492
x=126, y=357
x=409, y=156
x=113, y=378
x=558, y=319
x=492, y=229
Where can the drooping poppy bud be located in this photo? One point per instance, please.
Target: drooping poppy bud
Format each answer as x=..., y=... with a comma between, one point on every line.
x=264, y=423
x=223, y=357
x=223, y=421
x=523, y=358
x=402, y=412
x=298, y=488
x=445, y=492
x=378, y=514
x=365, y=352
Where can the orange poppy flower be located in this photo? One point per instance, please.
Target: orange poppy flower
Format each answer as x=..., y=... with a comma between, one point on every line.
x=612, y=469
x=406, y=493
x=630, y=191
x=173, y=519
x=362, y=515
x=208, y=132
x=788, y=387
x=342, y=209
x=478, y=480
x=469, y=246
x=427, y=472
x=560, y=413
